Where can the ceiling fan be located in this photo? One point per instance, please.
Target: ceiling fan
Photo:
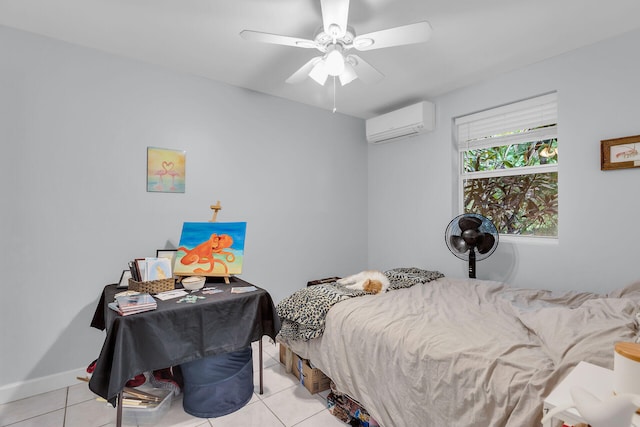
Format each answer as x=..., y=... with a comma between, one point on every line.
x=335, y=39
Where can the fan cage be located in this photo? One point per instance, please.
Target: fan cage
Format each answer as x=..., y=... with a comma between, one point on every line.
x=453, y=229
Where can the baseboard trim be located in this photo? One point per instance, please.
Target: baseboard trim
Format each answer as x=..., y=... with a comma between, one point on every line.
x=20, y=390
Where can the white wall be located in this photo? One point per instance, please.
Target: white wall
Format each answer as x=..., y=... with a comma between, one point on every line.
x=412, y=192
x=75, y=125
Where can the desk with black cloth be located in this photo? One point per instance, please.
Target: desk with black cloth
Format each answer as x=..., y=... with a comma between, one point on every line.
x=177, y=333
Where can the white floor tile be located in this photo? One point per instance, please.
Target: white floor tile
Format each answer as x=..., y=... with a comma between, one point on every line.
x=252, y=415
x=270, y=348
x=285, y=403
x=321, y=419
x=30, y=407
x=294, y=404
x=177, y=417
x=270, y=354
x=266, y=361
x=204, y=423
x=90, y=413
x=276, y=379
x=80, y=393
x=52, y=419
x=321, y=398
x=270, y=362
x=254, y=398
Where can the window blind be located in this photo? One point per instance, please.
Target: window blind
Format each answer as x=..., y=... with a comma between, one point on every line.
x=533, y=119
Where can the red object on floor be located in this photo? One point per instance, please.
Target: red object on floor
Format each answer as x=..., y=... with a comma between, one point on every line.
x=136, y=381
x=167, y=376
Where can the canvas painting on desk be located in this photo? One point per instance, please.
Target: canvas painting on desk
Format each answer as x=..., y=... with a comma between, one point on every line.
x=210, y=249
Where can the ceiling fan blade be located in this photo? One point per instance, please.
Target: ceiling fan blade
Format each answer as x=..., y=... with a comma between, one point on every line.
x=335, y=14
x=406, y=34
x=303, y=72
x=364, y=70
x=257, y=36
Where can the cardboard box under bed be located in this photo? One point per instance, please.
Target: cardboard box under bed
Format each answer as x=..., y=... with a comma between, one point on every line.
x=312, y=378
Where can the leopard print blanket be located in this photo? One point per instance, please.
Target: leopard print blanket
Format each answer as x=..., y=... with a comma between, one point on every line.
x=303, y=313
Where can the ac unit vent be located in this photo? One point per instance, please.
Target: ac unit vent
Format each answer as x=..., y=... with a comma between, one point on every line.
x=402, y=123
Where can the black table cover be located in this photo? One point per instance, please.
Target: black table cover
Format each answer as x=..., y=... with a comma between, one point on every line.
x=177, y=333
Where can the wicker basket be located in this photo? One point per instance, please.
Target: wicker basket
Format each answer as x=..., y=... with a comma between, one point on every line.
x=152, y=287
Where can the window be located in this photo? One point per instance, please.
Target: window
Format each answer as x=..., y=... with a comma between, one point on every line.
x=509, y=166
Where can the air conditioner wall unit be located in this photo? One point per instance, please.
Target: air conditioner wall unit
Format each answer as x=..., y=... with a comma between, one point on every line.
x=402, y=123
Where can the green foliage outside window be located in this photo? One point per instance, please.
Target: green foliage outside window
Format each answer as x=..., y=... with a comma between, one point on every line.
x=512, y=156
x=523, y=204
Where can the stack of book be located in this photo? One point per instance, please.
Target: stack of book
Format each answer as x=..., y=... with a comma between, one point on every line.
x=132, y=304
x=147, y=269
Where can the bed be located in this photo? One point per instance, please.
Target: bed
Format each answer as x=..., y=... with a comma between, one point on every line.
x=463, y=352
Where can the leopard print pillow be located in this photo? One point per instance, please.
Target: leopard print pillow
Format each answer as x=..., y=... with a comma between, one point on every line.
x=406, y=277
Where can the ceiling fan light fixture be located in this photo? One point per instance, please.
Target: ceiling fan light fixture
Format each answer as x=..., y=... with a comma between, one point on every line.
x=319, y=73
x=349, y=73
x=334, y=62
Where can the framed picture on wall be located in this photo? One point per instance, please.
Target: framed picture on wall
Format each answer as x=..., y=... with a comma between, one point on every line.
x=166, y=170
x=620, y=153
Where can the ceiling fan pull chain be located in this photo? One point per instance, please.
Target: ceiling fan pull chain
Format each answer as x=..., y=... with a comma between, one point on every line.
x=334, y=94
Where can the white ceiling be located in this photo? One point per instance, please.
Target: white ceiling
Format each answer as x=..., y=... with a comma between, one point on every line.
x=472, y=40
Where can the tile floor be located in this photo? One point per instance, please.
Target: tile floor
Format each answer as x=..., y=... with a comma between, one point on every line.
x=285, y=403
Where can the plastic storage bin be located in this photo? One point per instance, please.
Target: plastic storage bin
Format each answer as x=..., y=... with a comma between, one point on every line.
x=148, y=416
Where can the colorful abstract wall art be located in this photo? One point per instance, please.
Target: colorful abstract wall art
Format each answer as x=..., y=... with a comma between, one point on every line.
x=165, y=170
x=210, y=249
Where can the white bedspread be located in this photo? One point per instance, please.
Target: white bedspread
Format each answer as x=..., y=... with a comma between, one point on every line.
x=466, y=352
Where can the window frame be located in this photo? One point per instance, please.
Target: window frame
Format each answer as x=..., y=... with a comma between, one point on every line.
x=538, y=134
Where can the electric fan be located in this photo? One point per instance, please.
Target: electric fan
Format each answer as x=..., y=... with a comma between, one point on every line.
x=469, y=233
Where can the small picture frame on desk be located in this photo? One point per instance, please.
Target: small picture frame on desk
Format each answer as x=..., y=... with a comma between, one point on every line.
x=170, y=254
x=124, y=279
x=167, y=253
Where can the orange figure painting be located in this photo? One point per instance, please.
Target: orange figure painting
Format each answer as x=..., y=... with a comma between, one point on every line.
x=210, y=249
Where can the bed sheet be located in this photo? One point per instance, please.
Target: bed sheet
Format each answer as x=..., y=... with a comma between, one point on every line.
x=466, y=352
